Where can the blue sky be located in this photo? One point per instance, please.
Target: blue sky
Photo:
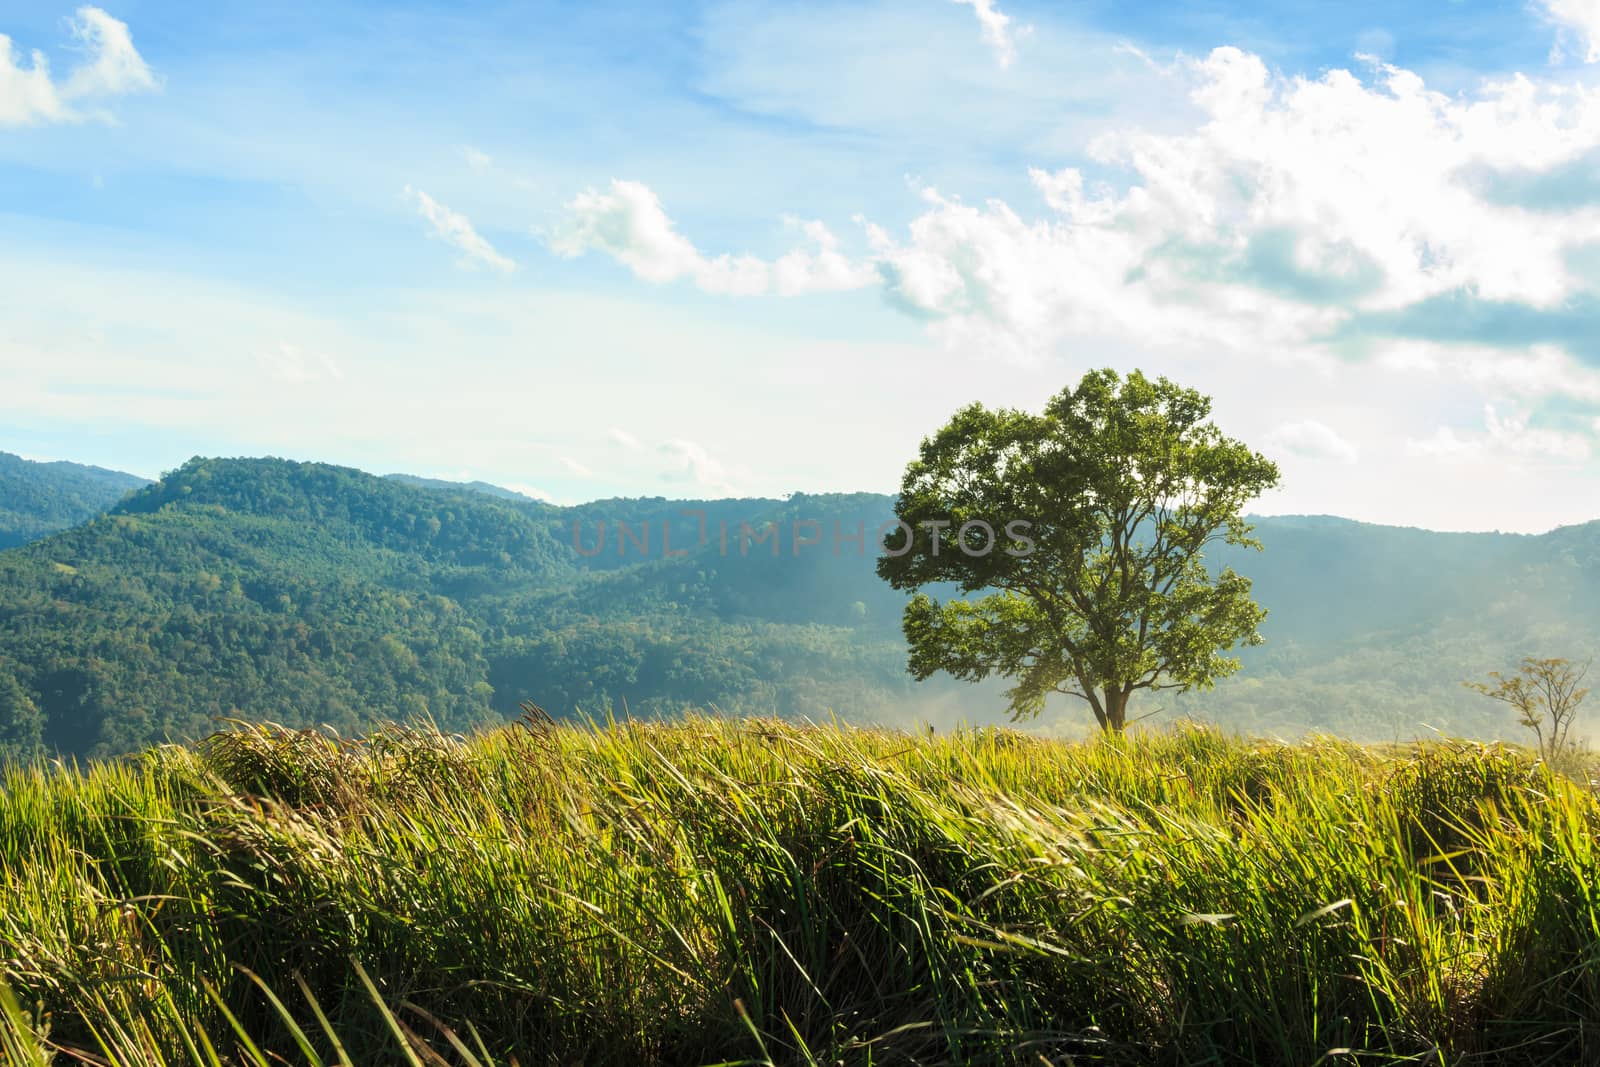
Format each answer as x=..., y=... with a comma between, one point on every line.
x=595, y=249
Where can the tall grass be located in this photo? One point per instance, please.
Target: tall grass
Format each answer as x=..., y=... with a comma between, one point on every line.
x=753, y=892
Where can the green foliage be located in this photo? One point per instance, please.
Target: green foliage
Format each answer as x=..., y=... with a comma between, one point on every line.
x=304, y=594
x=21, y=722
x=37, y=499
x=717, y=891
x=1122, y=485
x=447, y=486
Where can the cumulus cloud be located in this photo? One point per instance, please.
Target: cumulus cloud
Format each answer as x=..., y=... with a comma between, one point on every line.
x=821, y=268
x=111, y=66
x=456, y=229
x=1302, y=216
x=1297, y=213
x=1583, y=18
x=1539, y=371
x=687, y=461
x=1508, y=437
x=629, y=224
x=27, y=94
x=1310, y=439
x=995, y=26
x=1535, y=372
x=1355, y=215
x=533, y=492
x=674, y=460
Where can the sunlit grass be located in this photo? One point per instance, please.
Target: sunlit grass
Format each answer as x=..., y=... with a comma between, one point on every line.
x=714, y=891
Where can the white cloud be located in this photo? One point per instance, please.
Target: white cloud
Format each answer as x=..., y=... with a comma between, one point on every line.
x=1306, y=221
x=1505, y=438
x=1583, y=16
x=114, y=66
x=687, y=461
x=1310, y=439
x=1295, y=207
x=477, y=159
x=1534, y=373
x=111, y=67
x=574, y=467
x=629, y=224
x=995, y=27
x=1539, y=371
x=289, y=363
x=824, y=269
x=27, y=95
x=675, y=460
x=1445, y=444
x=1294, y=213
x=531, y=491
x=456, y=229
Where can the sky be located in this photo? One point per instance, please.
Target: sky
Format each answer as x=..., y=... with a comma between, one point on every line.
x=592, y=249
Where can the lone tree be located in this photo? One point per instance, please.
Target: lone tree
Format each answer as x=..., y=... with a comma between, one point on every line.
x=1545, y=694
x=1096, y=515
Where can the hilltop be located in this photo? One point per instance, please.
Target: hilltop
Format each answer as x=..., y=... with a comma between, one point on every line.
x=305, y=593
x=37, y=499
x=487, y=488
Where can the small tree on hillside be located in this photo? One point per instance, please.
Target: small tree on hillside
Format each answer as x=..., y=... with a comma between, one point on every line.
x=1120, y=486
x=1545, y=694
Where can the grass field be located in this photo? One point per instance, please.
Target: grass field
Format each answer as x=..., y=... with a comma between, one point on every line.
x=753, y=892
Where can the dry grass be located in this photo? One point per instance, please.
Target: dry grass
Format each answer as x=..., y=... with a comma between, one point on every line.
x=716, y=891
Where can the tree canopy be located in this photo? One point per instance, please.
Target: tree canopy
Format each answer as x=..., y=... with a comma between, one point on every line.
x=38, y=499
x=1085, y=528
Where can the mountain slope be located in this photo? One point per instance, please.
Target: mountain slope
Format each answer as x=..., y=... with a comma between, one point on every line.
x=37, y=499
x=486, y=488
x=306, y=593
x=293, y=592
x=1372, y=629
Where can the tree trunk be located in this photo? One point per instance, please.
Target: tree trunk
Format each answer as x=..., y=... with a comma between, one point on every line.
x=1116, y=705
x=1093, y=698
x=1095, y=706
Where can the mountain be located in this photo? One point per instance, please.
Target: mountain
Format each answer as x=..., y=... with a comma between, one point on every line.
x=37, y=499
x=486, y=488
x=1372, y=629
x=305, y=593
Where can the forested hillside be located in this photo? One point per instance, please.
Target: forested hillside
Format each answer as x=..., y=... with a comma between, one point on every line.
x=37, y=499
x=307, y=593
x=439, y=483
x=1372, y=629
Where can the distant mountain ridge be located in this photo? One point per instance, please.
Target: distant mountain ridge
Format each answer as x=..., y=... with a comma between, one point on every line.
x=306, y=593
x=486, y=488
x=39, y=498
